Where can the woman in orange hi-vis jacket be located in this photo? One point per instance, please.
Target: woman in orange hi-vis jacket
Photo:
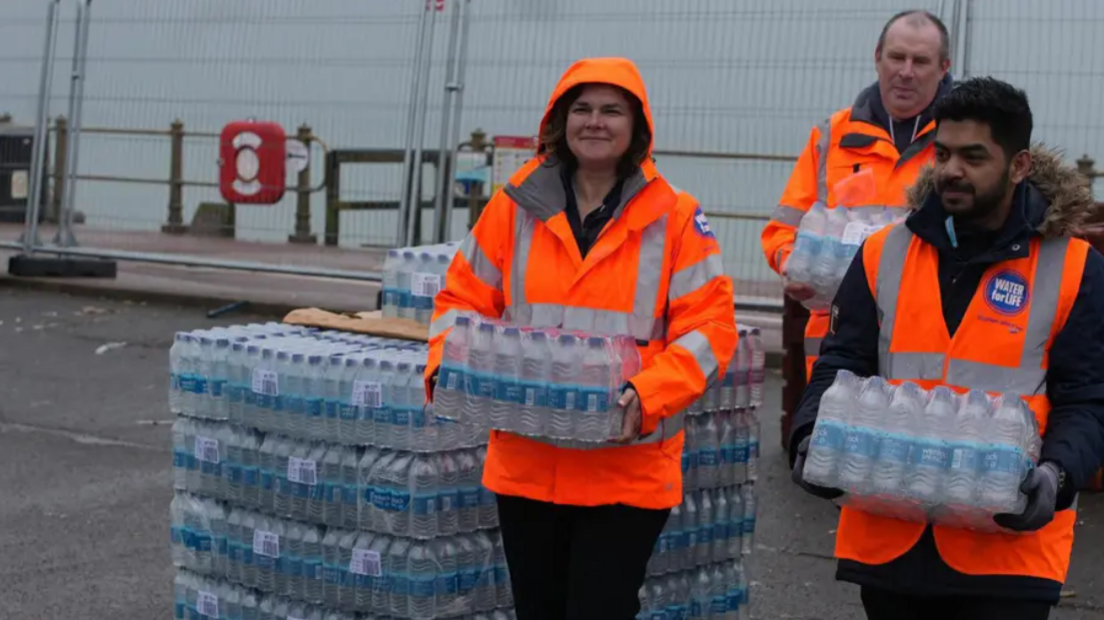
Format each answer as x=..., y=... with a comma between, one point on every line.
x=588, y=236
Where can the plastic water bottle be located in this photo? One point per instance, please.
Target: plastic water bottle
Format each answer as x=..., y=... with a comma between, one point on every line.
x=709, y=452
x=827, y=261
x=721, y=518
x=536, y=369
x=422, y=571
x=449, y=394
x=294, y=395
x=405, y=281
x=726, y=475
x=237, y=383
x=480, y=375
x=892, y=461
x=757, y=367
x=384, y=418
x=742, y=379
x=398, y=558
x=468, y=485
x=506, y=405
x=401, y=404
x=182, y=428
x=736, y=509
x=741, y=430
x=677, y=542
x=861, y=437
x=391, y=284
x=563, y=388
x=423, y=476
x=314, y=397
x=595, y=420
x=312, y=564
x=700, y=594
x=350, y=486
x=807, y=245
x=747, y=492
x=347, y=409
x=176, y=354
x=966, y=452
x=444, y=549
x=333, y=395
x=826, y=446
x=1005, y=459
x=448, y=492
x=706, y=516
x=930, y=457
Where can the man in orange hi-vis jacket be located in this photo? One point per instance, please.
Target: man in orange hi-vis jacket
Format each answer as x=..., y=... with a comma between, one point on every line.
x=589, y=236
x=875, y=148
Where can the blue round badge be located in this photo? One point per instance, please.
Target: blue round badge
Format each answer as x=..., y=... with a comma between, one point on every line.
x=1007, y=292
x=702, y=225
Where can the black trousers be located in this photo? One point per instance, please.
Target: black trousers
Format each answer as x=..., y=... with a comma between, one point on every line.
x=886, y=605
x=577, y=563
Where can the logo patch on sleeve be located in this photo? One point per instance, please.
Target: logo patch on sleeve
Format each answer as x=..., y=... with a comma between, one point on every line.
x=701, y=224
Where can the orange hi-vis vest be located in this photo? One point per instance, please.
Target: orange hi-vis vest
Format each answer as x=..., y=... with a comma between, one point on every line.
x=1001, y=346
x=654, y=273
x=851, y=162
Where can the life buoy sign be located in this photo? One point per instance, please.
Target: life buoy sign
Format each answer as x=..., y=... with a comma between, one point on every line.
x=252, y=162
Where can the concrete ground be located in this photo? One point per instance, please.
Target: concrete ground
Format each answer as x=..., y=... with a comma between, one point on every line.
x=86, y=485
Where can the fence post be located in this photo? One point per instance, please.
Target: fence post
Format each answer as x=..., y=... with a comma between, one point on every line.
x=1086, y=166
x=303, y=195
x=61, y=153
x=794, y=318
x=478, y=144
x=175, y=224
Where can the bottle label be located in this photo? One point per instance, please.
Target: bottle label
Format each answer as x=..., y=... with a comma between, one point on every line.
x=207, y=604
x=381, y=498
x=536, y=395
x=207, y=450
x=333, y=408
x=302, y=471
x=728, y=454
x=400, y=500
x=708, y=458
x=466, y=580
x=446, y=583
x=596, y=400
x=508, y=391
x=562, y=397
x=425, y=504
x=964, y=457
x=894, y=449
x=451, y=378
x=1002, y=459
x=265, y=382
x=400, y=416
x=366, y=562
x=266, y=544
x=313, y=407
x=423, y=587
x=930, y=454
x=860, y=442
x=367, y=394
x=827, y=435
x=425, y=285
x=469, y=498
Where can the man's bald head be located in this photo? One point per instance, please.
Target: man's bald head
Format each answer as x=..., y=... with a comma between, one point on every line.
x=912, y=57
x=918, y=19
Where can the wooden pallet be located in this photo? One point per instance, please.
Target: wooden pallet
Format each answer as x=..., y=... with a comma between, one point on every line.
x=371, y=323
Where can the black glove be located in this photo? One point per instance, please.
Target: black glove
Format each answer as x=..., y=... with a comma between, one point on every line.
x=1041, y=488
x=798, y=475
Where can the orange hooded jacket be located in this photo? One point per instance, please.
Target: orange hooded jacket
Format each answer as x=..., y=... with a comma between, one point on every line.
x=655, y=272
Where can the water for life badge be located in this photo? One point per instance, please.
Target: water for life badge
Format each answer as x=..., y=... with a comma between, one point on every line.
x=1006, y=293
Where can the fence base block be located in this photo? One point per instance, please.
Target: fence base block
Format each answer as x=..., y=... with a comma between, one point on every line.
x=24, y=266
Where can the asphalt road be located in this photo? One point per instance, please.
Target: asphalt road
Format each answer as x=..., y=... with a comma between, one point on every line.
x=86, y=477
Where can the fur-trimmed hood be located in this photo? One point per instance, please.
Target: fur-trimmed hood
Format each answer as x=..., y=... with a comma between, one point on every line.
x=1066, y=191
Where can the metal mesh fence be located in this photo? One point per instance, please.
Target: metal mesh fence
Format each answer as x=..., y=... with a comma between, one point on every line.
x=735, y=89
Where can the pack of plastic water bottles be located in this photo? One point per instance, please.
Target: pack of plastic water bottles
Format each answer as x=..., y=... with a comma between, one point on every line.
x=534, y=381
x=923, y=455
x=696, y=569
x=412, y=277
x=312, y=482
x=827, y=241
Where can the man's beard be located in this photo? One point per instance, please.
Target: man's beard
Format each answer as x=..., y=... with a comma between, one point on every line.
x=984, y=204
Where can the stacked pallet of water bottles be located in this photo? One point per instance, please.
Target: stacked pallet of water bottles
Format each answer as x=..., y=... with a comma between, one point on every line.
x=311, y=483
x=697, y=569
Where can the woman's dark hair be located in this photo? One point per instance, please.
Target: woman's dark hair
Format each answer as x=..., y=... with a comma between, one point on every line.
x=553, y=139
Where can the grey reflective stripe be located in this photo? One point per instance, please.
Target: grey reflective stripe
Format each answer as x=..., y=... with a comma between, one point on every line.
x=524, y=224
x=812, y=346
x=689, y=279
x=543, y=195
x=823, y=143
x=891, y=266
x=442, y=323
x=649, y=267
x=787, y=216
x=481, y=266
x=668, y=428
x=1028, y=377
x=698, y=345
x=913, y=366
x=601, y=322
